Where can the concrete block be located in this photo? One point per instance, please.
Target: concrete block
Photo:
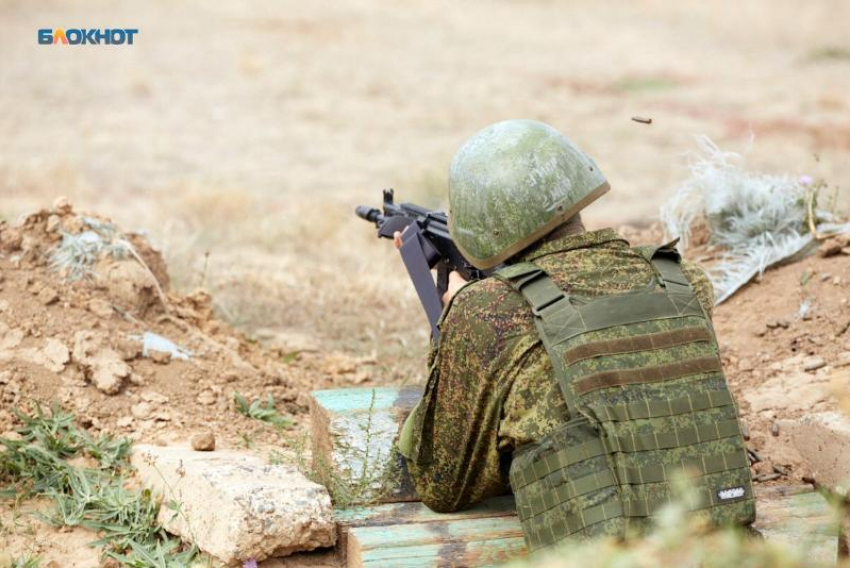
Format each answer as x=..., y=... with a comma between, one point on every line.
x=235, y=506
x=823, y=440
x=354, y=435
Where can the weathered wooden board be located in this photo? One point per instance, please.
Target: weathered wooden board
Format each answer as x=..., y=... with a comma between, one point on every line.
x=462, y=542
x=413, y=513
x=416, y=512
x=354, y=432
x=797, y=515
x=410, y=534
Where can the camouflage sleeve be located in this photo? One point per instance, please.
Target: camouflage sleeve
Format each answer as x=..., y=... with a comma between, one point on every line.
x=702, y=285
x=456, y=460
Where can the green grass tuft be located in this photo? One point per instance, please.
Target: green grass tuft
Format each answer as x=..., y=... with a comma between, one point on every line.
x=264, y=412
x=92, y=497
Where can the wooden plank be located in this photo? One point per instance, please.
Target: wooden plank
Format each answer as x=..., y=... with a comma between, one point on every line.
x=401, y=513
x=464, y=542
x=354, y=432
x=477, y=553
x=798, y=516
x=409, y=534
x=409, y=513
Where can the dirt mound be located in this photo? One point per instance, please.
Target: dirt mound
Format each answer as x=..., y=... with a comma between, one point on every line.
x=785, y=345
x=87, y=319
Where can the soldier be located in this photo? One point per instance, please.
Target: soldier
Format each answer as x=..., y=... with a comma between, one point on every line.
x=584, y=373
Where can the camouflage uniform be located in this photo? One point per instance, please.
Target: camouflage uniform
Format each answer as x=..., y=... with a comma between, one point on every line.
x=491, y=388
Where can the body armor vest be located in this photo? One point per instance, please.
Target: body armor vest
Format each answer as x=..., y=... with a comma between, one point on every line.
x=641, y=376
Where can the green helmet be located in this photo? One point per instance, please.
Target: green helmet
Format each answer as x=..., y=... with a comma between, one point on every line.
x=512, y=183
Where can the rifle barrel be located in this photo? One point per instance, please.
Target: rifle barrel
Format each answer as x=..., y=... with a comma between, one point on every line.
x=369, y=213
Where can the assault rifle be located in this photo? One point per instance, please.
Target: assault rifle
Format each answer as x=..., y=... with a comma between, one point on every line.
x=426, y=244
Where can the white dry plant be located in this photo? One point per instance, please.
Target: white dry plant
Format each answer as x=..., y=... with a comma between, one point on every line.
x=757, y=220
x=77, y=253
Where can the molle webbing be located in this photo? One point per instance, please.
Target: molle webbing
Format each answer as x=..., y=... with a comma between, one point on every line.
x=678, y=438
x=670, y=371
x=642, y=380
x=635, y=343
x=559, y=460
x=661, y=408
x=569, y=489
x=571, y=523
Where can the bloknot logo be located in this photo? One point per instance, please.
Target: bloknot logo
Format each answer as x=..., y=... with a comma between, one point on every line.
x=86, y=36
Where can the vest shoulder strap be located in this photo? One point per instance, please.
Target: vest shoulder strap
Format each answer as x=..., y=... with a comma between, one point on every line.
x=535, y=285
x=667, y=264
x=551, y=308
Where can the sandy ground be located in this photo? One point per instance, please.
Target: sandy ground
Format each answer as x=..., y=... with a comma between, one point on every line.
x=239, y=136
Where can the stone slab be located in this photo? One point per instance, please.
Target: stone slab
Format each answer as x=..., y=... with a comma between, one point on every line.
x=823, y=440
x=354, y=432
x=233, y=505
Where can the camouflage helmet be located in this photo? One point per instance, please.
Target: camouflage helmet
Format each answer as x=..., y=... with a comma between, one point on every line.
x=512, y=183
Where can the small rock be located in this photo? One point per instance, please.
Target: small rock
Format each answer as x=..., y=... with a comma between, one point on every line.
x=137, y=379
x=154, y=397
x=55, y=354
x=842, y=360
x=206, y=397
x=745, y=431
x=203, y=442
x=162, y=415
x=141, y=410
x=160, y=357
x=765, y=477
x=124, y=422
x=813, y=363
x=128, y=348
x=230, y=377
x=774, y=323
x=837, y=281
x=53, y=223
x=48, y=296
x=100, y=307
x=830, y=247
x=12, y=240
x=62, y=205
x=774, y=429
x=108, y=371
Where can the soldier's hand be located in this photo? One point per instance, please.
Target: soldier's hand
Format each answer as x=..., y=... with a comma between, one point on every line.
x=456, y=282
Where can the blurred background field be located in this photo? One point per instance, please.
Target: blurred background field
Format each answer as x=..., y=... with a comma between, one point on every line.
x=240, y=135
